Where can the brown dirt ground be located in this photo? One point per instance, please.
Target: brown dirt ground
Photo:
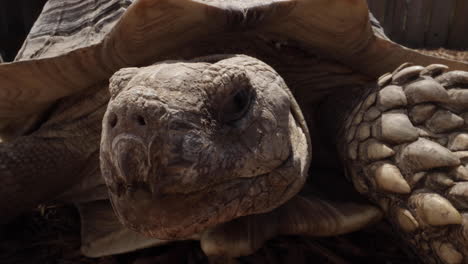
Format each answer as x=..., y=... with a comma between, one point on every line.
x=51, y=236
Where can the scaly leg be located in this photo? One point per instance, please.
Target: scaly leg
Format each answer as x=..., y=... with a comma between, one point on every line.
x=34, y=170
x=39, y=167
x=405, y=146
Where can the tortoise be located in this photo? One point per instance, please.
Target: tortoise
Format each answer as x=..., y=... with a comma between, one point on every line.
x=197, y=114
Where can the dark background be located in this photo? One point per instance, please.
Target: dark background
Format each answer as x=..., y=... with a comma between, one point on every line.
x=16, y=19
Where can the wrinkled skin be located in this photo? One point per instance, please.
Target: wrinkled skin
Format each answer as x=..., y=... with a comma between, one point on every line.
x=186, y=146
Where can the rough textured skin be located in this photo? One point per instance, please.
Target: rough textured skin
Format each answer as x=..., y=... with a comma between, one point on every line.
x=186, y=146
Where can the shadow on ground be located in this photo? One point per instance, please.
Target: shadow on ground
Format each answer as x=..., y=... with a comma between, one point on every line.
x=52, y=236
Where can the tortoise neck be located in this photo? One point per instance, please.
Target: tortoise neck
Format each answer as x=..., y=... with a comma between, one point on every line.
x=339, y=107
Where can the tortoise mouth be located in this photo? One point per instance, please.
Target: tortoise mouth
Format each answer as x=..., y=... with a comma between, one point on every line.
x=177, y=215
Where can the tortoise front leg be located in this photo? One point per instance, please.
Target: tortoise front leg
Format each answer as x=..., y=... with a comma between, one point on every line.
x=35, y=169
x=405, y=146
x=305, y=215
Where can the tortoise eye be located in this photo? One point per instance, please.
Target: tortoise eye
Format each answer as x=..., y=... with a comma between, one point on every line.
x=236, y=105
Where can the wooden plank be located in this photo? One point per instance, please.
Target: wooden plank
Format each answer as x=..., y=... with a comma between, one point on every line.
x=388, y=20
x=4, y=30
x=30, y=10
x=437, y=34
x=419, y=12
x=377, y=8
x=399, y=20
x=458, y=33
x=3, y=21
x=371, y=4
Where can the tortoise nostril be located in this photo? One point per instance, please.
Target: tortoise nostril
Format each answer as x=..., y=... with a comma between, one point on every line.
x=141, y=120
x=113, y=120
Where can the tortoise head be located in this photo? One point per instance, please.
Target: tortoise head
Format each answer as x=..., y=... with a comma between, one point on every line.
x=188, y=145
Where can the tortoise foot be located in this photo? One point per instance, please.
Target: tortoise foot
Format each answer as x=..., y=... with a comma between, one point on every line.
x=304, y=215
x=406, y=148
